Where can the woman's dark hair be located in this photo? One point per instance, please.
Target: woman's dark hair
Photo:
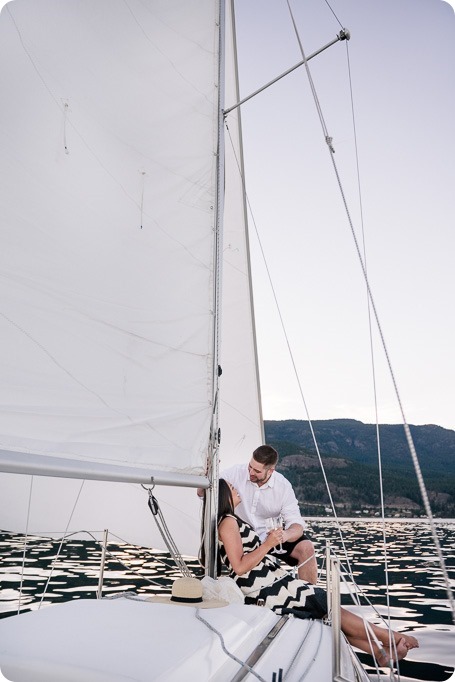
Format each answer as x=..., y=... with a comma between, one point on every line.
x=225, y=506
x=225, y=501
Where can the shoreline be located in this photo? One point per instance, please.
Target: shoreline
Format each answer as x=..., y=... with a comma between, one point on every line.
x=378, y=519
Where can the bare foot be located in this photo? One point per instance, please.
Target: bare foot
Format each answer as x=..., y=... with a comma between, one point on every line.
x=411, y=642
x=399, y=651
x=402, y=648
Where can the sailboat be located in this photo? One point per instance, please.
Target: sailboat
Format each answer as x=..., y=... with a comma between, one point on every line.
x=128, y=327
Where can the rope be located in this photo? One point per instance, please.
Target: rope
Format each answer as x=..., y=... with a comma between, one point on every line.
x=359, y=592
x=409, y=438
x=372, y=357
x=311, y=624
x=241, y=663
x=392, y=642
x=291, y=355
x=296, y=568
x=371, y=636
x=331, y=9
x=367, y=632
x=166, y=535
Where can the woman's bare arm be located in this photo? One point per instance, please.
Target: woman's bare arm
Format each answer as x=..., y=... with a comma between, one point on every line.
x=241, y=563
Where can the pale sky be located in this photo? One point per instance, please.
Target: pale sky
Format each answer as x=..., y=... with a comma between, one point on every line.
x=402, y=61
x=402, y=58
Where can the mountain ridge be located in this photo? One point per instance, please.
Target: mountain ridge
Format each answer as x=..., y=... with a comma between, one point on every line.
x=349, y=452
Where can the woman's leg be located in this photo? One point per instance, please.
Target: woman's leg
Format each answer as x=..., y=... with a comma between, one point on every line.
x=354, y=628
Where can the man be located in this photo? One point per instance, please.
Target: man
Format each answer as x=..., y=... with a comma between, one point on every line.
x=265, y=493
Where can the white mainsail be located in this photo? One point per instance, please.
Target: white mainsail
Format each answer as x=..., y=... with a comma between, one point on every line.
x=108, y=182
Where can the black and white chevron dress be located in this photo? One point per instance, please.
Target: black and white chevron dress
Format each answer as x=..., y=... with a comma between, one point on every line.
x=270, y=582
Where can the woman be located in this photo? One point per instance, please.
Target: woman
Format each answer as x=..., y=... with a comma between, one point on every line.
x=262, y=580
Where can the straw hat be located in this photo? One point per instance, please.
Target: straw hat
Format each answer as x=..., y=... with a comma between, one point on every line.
x=188, y=592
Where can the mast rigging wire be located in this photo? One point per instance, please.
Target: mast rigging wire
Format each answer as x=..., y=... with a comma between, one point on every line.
x=291, y=355
x=411, y=446
x=372, y=357
x=407, y=430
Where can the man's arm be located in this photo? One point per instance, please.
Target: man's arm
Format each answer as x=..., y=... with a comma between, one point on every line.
x=292, y=533
x=290, y=512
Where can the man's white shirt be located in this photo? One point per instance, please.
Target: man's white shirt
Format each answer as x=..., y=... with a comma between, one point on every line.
x=261, y=502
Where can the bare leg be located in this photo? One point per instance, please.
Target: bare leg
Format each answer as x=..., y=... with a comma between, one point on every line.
x=354, y=628
x=304, y=552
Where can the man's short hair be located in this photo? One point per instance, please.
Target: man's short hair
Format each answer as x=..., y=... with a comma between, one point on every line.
x=266, y=455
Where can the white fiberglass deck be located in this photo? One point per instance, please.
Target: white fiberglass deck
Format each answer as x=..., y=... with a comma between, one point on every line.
x=123, y=639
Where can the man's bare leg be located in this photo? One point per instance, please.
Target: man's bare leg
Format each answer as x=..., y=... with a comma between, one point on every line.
x=304, y=553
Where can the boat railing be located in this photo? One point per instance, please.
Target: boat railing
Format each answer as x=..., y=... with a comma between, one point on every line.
x=99, y=591
x=334, y=611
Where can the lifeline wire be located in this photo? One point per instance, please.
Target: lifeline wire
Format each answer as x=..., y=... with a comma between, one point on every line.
x=25, y=543
x=369, y=633
x=368, y=630
x=156, y=558
x=409, y=438
x=61, y=543
x=128, y=568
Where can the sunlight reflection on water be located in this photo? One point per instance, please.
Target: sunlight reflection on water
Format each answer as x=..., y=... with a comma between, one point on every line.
x=417, y=595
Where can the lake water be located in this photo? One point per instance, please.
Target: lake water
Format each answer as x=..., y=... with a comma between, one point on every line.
x=418, y=600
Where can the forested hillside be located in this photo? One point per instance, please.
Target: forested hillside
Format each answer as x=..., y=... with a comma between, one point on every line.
x=350, y=457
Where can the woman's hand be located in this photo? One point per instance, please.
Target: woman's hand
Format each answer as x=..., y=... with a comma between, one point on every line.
x=241, y=562
x=274, y=537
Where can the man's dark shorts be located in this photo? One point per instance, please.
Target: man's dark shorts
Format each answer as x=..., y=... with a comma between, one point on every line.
x=289, y=546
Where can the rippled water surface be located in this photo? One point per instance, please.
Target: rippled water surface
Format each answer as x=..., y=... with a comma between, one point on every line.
x=418, y=599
